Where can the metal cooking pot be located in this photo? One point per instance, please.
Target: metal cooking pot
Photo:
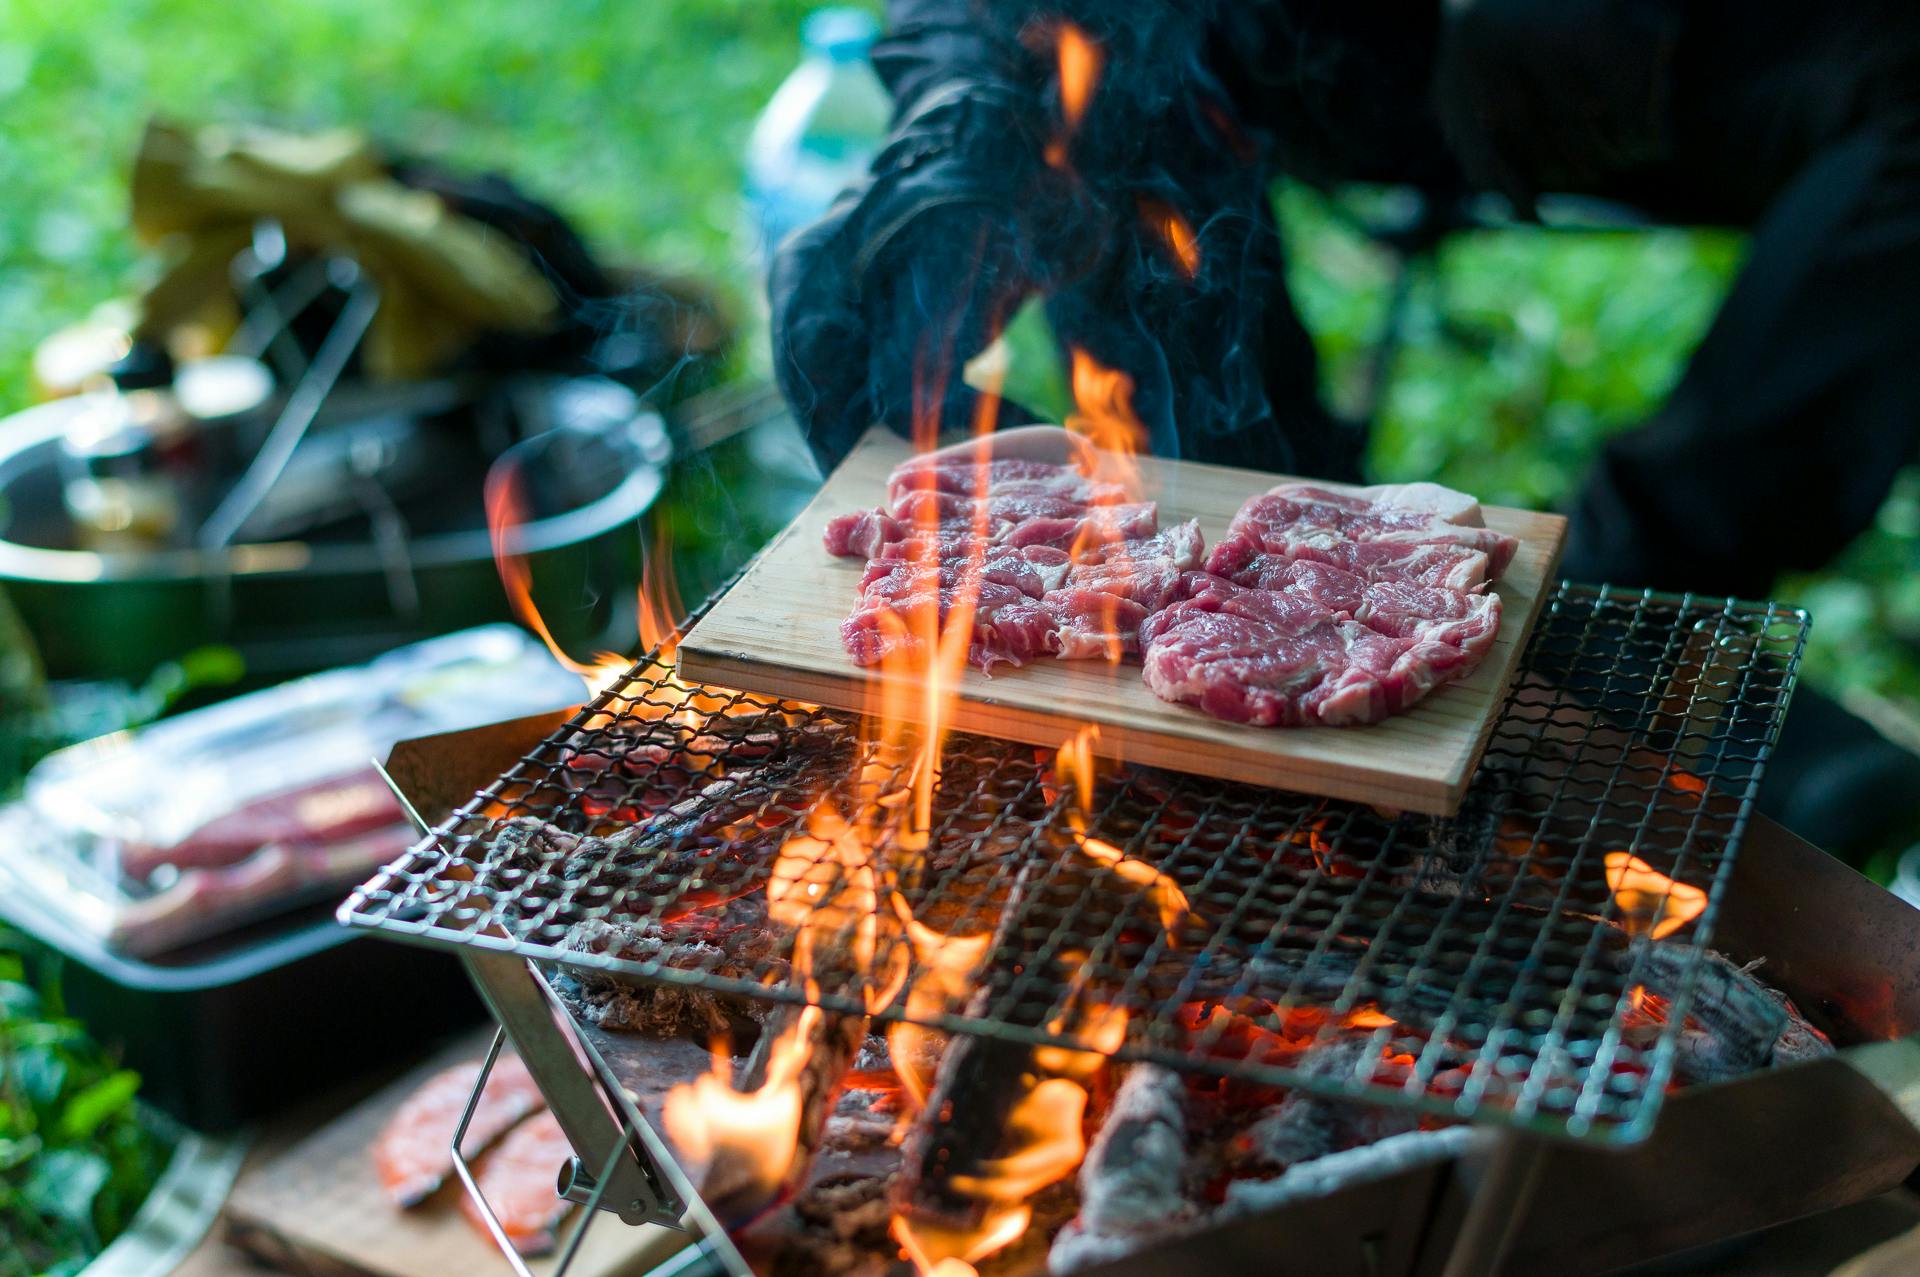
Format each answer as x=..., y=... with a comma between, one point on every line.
x=591, y=466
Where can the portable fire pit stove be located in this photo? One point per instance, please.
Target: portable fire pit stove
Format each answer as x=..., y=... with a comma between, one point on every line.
x=1499, y=956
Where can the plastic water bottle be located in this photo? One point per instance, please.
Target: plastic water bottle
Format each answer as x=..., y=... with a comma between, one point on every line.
x=818, y=132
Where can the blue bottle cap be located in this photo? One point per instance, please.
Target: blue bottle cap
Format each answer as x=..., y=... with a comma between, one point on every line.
x=841, y=33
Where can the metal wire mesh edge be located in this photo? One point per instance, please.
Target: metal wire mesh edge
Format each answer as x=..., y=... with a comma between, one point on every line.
x=429, y=856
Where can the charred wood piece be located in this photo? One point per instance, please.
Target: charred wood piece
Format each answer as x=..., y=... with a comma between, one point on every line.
x=1131, y=1184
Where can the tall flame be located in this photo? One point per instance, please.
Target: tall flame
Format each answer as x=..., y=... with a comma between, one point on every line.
x=506, y=515
x=1078, y=59
x=1651, y=903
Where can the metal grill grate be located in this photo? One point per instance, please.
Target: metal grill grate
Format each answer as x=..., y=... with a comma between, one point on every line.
x=1509, y=963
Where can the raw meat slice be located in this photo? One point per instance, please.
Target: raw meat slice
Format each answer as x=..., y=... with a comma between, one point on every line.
x=1302, y=514
x=413, y=1156
x=1283, y=658
x=1032, y=571
x=520, y=1181
x=1008, y=626
x=1337, y=588
x=945, y=509
x=1093, y=624
x=1445, y=566
x=1098, y=526
x=1466, y=621
x=963, y=476
x=862, y=534
x=1181, y=544
x=1146, y=570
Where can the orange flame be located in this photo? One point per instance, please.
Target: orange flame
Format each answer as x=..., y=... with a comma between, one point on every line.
x=709, y=1119
x=1174, y=231
x=506, y=515
x=946, y=965
x=1079, y=60
x=1074, y=764
x=1651, y=902
x=1103, y=412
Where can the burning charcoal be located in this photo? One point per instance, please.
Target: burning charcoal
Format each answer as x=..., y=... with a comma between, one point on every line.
x=656, y=1010
x=1304, y=1127
x=736, y=1183
x=1130, y=1184
x=1733, y=1021
x=837, y=1225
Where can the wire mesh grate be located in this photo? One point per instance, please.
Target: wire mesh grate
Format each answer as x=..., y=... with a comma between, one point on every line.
x=1531, y=959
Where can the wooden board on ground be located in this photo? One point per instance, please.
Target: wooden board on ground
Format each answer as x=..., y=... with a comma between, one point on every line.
x=318, y=1208
x=777, y=631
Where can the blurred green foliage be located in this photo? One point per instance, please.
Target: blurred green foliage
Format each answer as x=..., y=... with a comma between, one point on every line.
x=1521, y=351
x=75, y=1156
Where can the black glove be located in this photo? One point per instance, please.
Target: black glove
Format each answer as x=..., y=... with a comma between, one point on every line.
x=1538, y=96
x=877, y=308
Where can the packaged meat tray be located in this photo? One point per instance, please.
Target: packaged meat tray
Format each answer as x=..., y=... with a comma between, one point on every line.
x=148, y=840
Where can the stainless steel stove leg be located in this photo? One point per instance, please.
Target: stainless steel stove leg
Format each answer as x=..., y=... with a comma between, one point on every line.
x=634, y=1189
x=1496, y=1205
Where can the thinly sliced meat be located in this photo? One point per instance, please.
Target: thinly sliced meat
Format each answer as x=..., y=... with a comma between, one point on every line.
x=862, y=534
x=413, y=1154
x=1146, y=570
x=1334, y=588
x=965, y=476
x=1181, y=545
x=945, y=509
x=1281, y=658
x=1098, y=526
x=520, y=1181
x=1466, y=621
x=1452, y=567
x=1297, y=515
x=1093, y=624
x=1032, y=570
x=1008, y=626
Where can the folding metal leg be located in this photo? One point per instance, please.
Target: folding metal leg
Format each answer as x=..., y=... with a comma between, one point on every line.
x=635, y=1190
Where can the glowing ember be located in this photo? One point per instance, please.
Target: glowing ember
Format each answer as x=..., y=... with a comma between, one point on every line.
x=1650, y=902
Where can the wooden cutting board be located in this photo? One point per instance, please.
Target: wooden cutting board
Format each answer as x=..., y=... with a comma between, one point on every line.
x=318, y=1209
x=777, y=631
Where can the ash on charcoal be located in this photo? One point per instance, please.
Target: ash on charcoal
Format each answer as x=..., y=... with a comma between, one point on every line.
x=1736, y=1023
x=1131, y=1190
x=1336, y=1171
x=656, y=1010
x=836, y=1225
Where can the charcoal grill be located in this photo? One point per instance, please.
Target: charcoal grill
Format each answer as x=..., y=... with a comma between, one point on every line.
x=1492, y=948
